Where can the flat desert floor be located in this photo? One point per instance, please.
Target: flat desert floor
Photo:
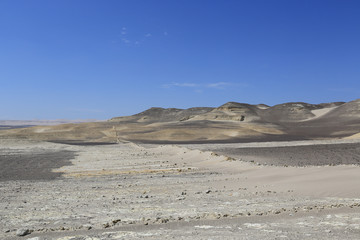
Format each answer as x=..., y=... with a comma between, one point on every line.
x=277, y=190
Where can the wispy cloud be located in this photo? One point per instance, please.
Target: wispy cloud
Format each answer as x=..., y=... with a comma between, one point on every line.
x=85, y=110
x=125, y=40
x=219, y=85
x=136, y=38
x=202, y=86
x=175, y=84
x=123, y=31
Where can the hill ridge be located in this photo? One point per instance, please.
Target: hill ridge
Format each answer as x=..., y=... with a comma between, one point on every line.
x=230, y=122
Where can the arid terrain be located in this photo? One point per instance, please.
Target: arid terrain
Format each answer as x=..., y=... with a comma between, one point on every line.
x=229, y=123
x=238, y=171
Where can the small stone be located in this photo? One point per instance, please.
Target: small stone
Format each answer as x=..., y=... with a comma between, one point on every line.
x=106, y=225
x=208, y=191
x=87, y=226
x=22, y=232
x=116, y=221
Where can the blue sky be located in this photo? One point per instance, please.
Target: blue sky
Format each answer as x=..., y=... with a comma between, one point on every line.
x=78, y=59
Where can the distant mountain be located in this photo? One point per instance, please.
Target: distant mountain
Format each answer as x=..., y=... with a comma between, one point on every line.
x=157, y=114
x=42, y=122
x=296, y=111
x=233, y=111
x=230, y=122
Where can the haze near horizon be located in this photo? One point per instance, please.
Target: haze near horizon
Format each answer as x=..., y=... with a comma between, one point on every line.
x=102, y=59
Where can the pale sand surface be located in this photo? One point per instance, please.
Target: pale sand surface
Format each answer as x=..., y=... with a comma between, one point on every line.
x=355, y=136
x=129, y=191
x=320, y=112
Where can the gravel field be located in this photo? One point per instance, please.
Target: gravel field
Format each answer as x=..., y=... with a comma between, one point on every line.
x=301, y=155
x=128, y=191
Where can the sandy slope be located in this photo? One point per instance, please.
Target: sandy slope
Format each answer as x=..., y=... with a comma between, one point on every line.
x=355, y=136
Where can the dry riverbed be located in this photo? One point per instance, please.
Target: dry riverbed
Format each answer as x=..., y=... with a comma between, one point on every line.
x=128, y=191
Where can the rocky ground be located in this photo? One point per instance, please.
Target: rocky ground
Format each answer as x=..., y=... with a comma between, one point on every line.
x=294, y=153
x=128, y=191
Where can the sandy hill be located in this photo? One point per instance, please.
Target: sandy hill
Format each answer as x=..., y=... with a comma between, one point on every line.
x=231, y=122
x=349, y=111
x=156, y=114
x=231, y=111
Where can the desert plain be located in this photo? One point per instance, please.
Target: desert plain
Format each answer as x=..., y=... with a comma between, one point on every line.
x=239, y=171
